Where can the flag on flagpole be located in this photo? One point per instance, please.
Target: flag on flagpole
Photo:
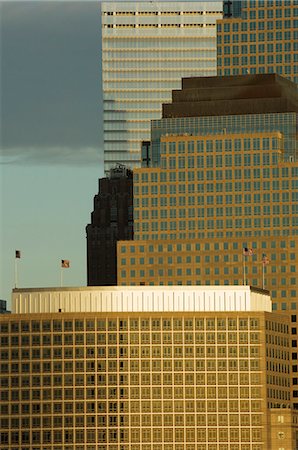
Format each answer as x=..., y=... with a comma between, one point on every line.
x=18, y=254
x=265, y=259
x=65, y=263
x=247, y=251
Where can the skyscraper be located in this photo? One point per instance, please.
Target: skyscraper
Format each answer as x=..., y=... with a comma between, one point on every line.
x=263, y=40
x=147, y=47
x=111, y=220
x=227, y=180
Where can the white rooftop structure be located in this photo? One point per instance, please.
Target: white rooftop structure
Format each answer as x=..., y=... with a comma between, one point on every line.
x=140, y=299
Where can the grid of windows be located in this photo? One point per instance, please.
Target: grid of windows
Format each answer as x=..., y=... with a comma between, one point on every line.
x=285, y=123
x=233, y=191
x=264, y=40
x=141, y=65
x=250, y=165
x=94, y=382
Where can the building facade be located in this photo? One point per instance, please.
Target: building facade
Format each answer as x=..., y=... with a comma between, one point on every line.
x=229, y=104
x=111, y=220
x=146, y=48
x=224, y=182
x=263, y=40
x=195, y=214
x=181, y=368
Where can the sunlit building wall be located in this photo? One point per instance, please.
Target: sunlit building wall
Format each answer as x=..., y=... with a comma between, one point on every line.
x=226, y=181
x=147, y=47
x=263, y=40
x=171, y=374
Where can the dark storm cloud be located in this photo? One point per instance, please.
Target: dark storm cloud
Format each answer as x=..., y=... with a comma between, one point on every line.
x=50, y=81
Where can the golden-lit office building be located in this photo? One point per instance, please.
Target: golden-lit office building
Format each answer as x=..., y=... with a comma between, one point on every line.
x=227, y=179
x=145, y=368
x=216, y=191
x=205, y=215
x=263, y=40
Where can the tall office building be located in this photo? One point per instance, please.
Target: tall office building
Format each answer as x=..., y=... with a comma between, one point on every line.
x=227, y=180
x=147, y=47
x=111, y=220
x=141, y=368
x=263, y=40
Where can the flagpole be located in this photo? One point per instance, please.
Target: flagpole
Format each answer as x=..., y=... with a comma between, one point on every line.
x=61, y=276
x=263, y=275
x=15, y=273
x=244, y=271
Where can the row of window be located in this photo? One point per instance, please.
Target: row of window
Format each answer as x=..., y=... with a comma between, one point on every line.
x=269, y=3
x=265, y=172
x=159, y=13
x=123, y=420
x=220, y=163
x=254, y=49
x=102, y=407
x=134, y=446
x=260, y=37
x=190, y=187
x=138, y=435
x=160, y=25
x=228, y=211
x=162, y=260
x=276, y=197
x=155, y=392
x=185, y=272
x=182, y=235
x=182, y=247
x=132, y=324
x=236, y=144
x=260, y=60
x=24, y=351
x=202, y=378
x=252, y=25
x=253, y=60
x=132, y=351
x=230, y=186
x=217, y=224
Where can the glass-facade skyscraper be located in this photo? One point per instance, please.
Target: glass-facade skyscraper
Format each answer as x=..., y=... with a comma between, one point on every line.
x=147, y=47
x=263, y=40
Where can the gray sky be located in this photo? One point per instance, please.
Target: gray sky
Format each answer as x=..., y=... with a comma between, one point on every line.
x=51, y=138
x=50, y=81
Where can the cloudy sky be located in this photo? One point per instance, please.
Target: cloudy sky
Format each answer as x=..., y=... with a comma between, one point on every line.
x=51, y=138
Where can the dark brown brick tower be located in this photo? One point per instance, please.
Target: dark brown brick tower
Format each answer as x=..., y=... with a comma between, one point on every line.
x=111, y=220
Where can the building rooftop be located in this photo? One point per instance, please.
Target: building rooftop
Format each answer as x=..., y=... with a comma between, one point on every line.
x=140, y=299
x=239, y=94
